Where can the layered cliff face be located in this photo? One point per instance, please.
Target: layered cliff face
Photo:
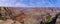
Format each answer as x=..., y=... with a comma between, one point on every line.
x=40, y=14
x=28, y=15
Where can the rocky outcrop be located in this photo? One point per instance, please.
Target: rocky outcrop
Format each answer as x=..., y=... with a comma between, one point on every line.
x=28, y=15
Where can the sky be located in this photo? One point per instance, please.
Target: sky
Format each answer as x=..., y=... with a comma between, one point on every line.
x=30, y=3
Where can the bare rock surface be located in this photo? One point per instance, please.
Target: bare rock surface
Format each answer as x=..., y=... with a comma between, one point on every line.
x=28, y=15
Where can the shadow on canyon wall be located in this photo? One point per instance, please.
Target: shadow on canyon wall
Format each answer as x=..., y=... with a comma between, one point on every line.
x=8, y=14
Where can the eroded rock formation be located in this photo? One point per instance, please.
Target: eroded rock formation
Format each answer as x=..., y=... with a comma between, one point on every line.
x=28, y=15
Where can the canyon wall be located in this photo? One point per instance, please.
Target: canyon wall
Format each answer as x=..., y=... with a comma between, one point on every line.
x=29, y=15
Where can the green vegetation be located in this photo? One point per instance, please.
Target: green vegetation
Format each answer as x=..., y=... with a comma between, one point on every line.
x=3, y=18
x=48, y=18
x=53, y=20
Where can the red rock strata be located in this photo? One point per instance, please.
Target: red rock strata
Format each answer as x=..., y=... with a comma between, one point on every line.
x=32, y=15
